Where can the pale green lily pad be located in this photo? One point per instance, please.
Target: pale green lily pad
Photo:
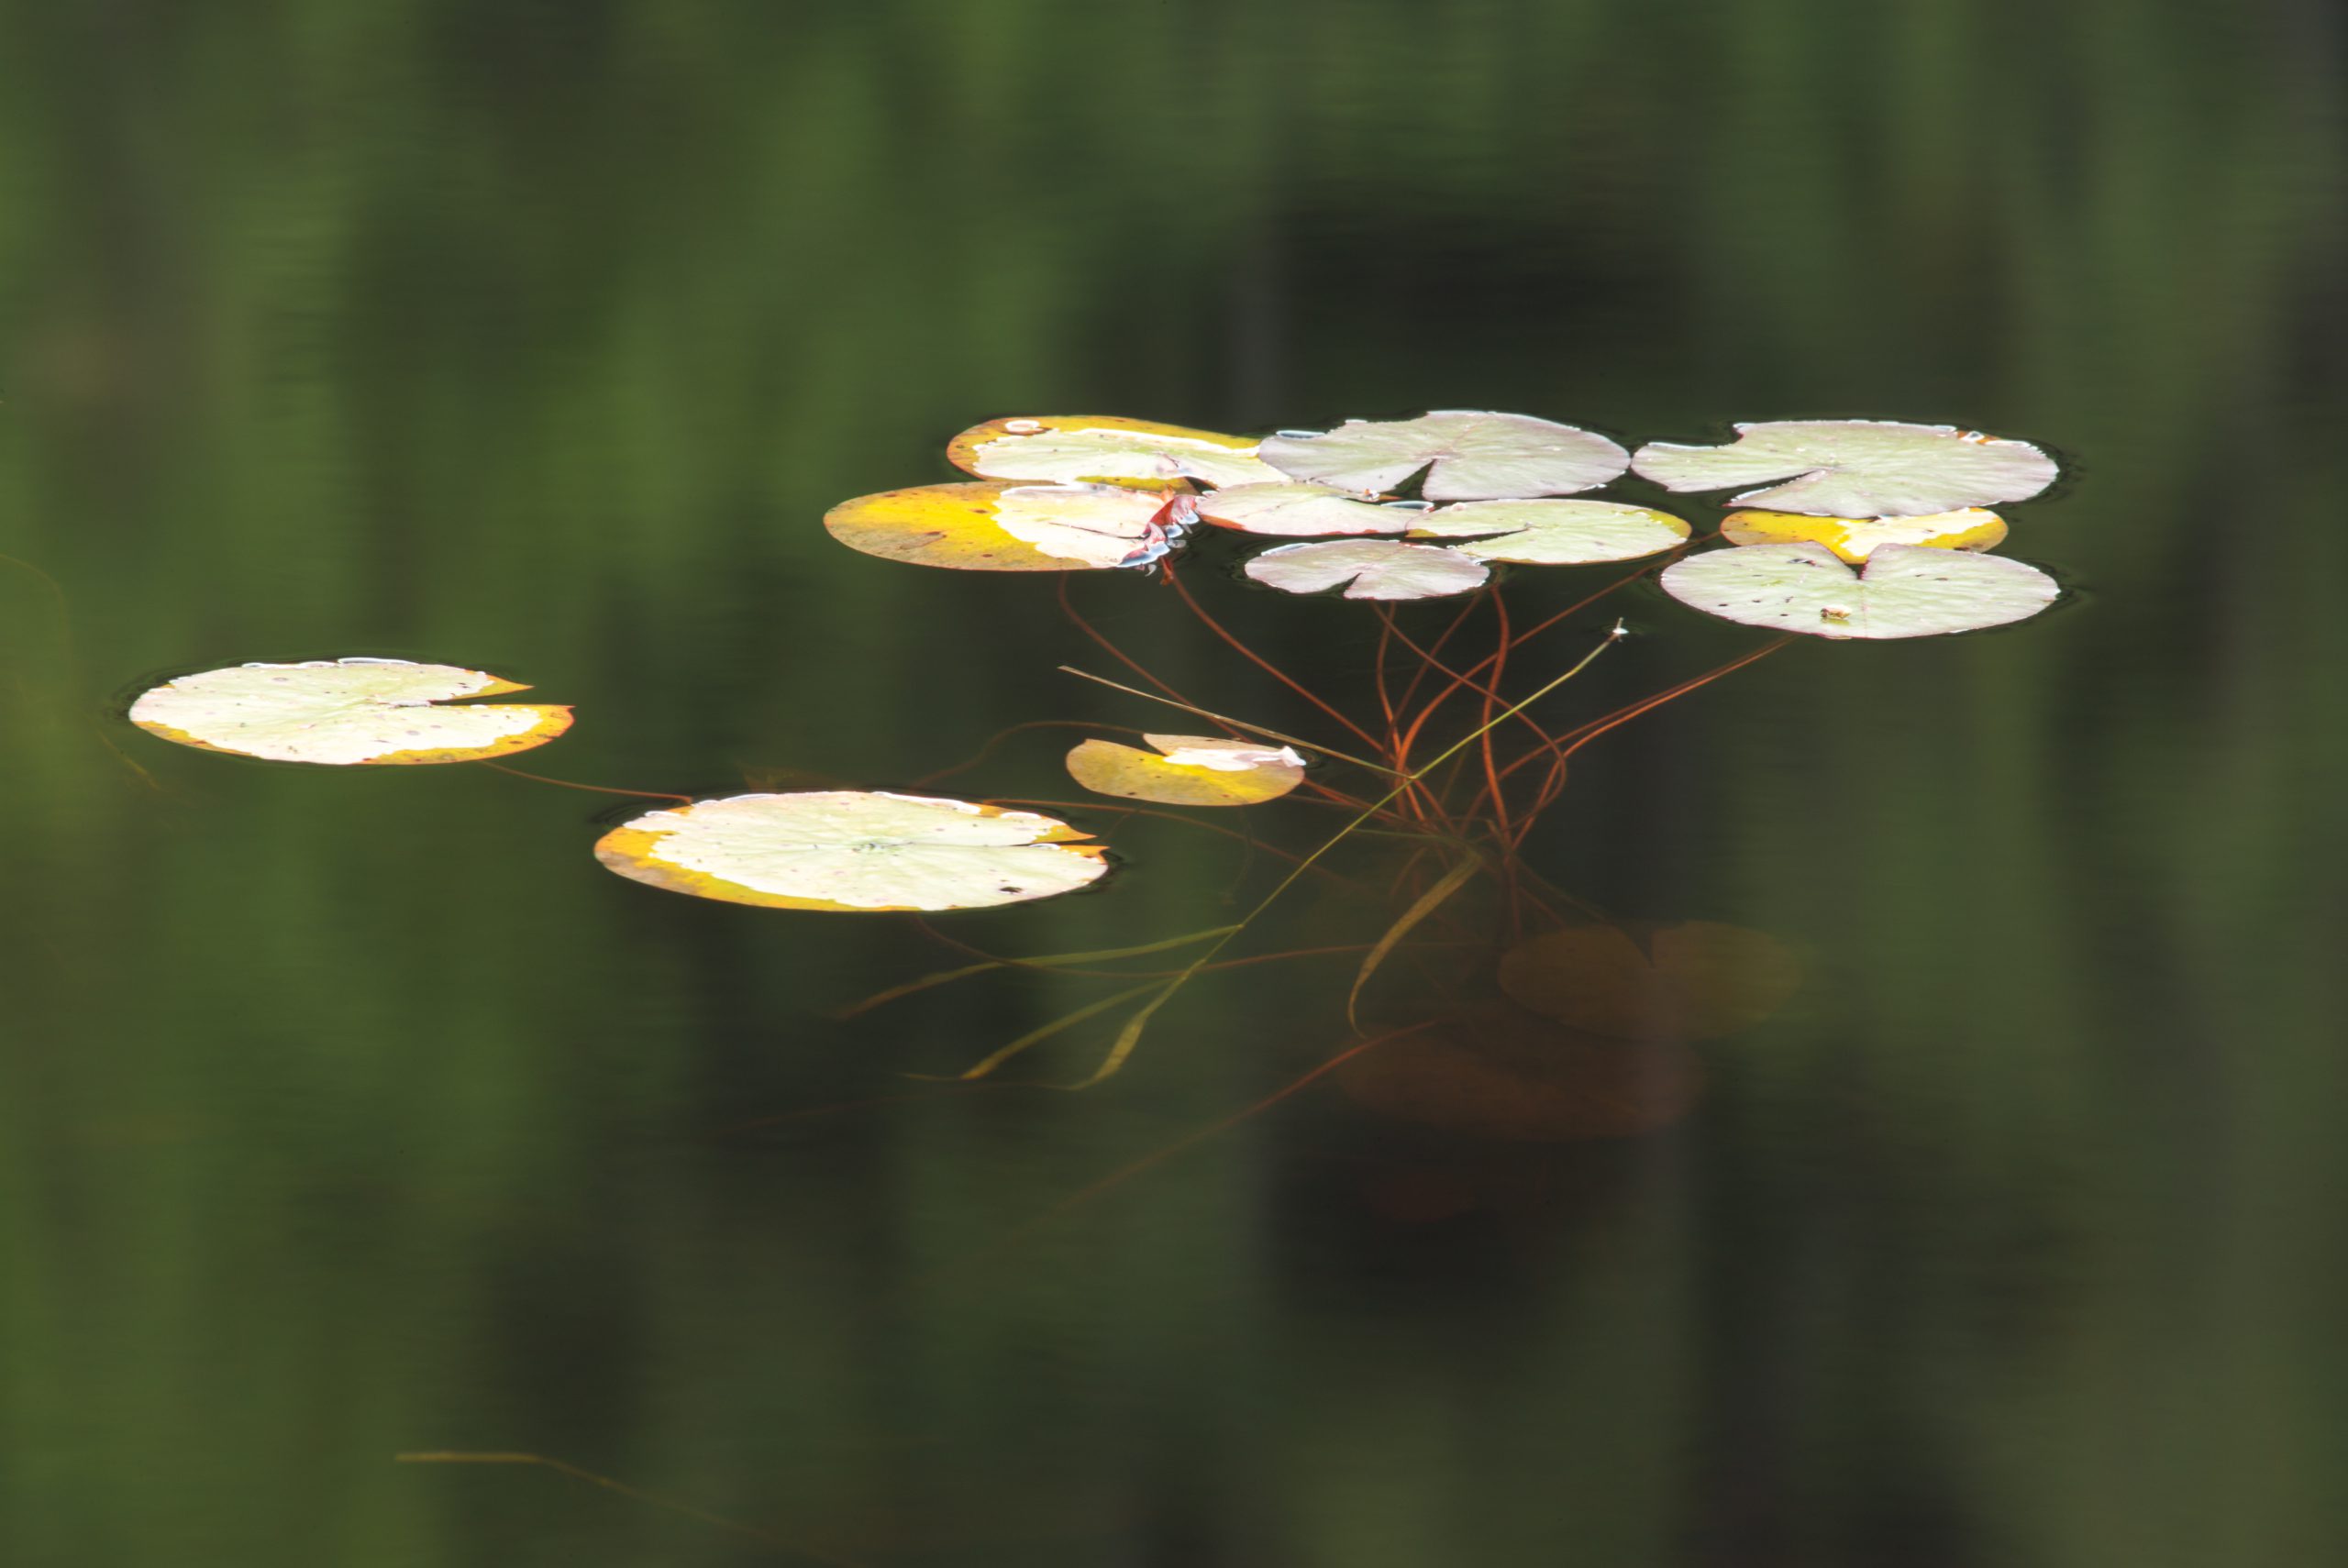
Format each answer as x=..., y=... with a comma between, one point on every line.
x=853, y=850
x=1855, y=467
x=1552, y=532
x=346, y=712
x=1370, y=568
x=1297, y=511
x=1906, y=590
x=1468, y=455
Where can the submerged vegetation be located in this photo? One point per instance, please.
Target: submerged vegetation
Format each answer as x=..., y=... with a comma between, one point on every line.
x=1873, y=530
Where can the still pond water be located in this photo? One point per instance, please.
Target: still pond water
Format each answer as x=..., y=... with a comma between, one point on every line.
x=348, y=1114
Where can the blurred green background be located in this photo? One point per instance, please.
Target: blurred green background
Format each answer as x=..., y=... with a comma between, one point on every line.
x=348, y=1114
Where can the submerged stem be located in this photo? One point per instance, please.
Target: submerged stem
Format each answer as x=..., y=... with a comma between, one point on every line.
x=1130, y=1035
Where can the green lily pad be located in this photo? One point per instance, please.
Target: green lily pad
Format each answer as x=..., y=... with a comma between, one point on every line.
x=1467, y=456
x=346, y=713
x=853, y=850
x=1370, y=568
x=1855, y=467
x=1552, y=532
x=1301, y=510
x=1905, y=590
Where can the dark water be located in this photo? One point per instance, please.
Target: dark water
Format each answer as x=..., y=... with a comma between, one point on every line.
x=348, y=1114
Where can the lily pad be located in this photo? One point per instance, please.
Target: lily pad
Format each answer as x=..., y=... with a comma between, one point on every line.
x=1000, y=526
x=1468, y=455
x=1191, y=770
x=1905, y=590
x=1694, y=980
x=1855, y=467
x=1854, y=538
x=1498, y=1071
x=853, y=850
x=1552, y=532
x=347, y=711
x=1370, y=569
x=1105, y=448
x=1300, y=510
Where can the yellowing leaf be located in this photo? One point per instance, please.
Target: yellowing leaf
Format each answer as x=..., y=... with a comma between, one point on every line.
x=1694, y=980
x=1302, y=510
x=1552, y=532
x=347, y=711
x=1105, y=448
x=1854, y=538
x=1496, y=1071
x=1194, y=771
x=1000, y=526
x=1370, y=568
x=852, y=850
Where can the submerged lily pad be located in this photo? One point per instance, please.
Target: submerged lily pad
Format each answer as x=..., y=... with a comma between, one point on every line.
x=347, y=711
x=1105, y=448
x=1000, y=526
x=1497, y=1071
x=1370, y=569
x=1299, y=510
x=1854, y=538
x=1191, y=770
x=1694, y=980
x=1855, y=467
x=1469, y=455
x=1906, y=590
x=1552, y=532
x=853, y=850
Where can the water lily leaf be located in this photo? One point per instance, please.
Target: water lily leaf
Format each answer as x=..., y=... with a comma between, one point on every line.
x=1474, y=456
x=1552, y=532
x=345, y=712
x=1905, y=590
x=1296, y=510
x=1497, y=1071
x=1694, y=980
x=1193, y=770
x=1854, y=538
x=853, y=850
x=1855, y=467
x=999, y=526
x=1105, y=448
x=1371, y=569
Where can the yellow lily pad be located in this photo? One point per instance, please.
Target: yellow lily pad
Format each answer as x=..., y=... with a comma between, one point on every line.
x=1099, y=449
x=1694, y=980
x=1854, y=538
x=998, y=526
x=346, y=713
x=853, y=851
x=1192, y=770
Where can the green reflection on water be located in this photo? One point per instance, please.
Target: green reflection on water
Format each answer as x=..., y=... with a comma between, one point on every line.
x=348, y=1115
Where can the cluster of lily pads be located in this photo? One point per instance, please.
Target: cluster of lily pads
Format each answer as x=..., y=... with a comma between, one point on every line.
x=1906, y=504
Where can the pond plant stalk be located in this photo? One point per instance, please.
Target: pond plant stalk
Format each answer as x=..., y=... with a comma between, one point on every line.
x=1457, y=805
